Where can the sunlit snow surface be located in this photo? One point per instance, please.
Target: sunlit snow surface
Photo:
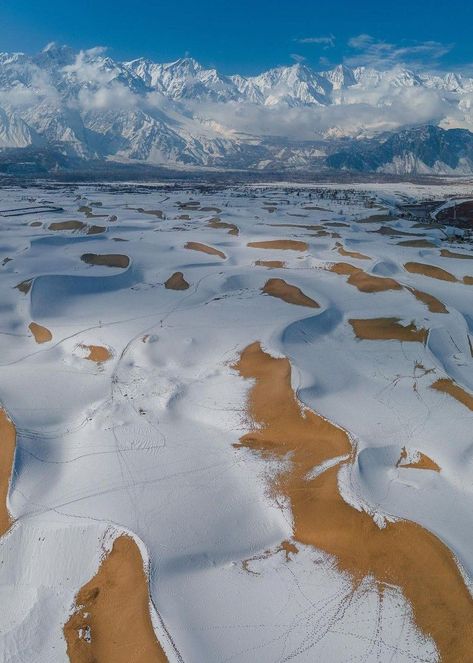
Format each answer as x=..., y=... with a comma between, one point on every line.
x=143, y=442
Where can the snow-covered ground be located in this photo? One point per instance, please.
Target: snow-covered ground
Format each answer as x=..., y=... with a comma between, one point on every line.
x=144, y=441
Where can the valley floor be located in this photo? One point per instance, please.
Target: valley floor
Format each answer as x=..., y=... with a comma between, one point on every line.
x=235, y=425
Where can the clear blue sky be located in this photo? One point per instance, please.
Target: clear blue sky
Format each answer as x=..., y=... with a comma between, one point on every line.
x=248, y=35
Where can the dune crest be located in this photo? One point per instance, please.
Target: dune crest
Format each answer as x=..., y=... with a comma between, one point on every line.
x=288, y=293
x=281, y=244
x=7, y=455
x=203, y=248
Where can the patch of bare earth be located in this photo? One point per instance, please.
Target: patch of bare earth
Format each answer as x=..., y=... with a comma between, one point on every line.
x=363, y=281
x=176, y=282
x=25, y=286
x=280, y=244
x=41, y=334
x=106, y=260
x=448, y=386
x=111, y=621
x=387, y=329
x=204, y=248
x=217, y=223
x=418, y=244
x=67, y=225
x=446, y=253
x=429, y=270
x=422, y=462
x=7, y=455
x=288, y=293
x=350, y=254
x=402, y=554
x=97, y=353
x=433, y=304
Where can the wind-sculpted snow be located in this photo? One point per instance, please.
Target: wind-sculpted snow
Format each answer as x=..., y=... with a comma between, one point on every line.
x=235, y=438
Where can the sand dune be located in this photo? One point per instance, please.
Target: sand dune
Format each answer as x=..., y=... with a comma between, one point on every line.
x=448, y=386
x=111, y=621
x=176, y=282
x=271, y=264
x=97, y=353
x=363, y=281
x=203, y=248
x=41, y=334
x=429, y=270
x=7, y=454
x=216, y=223
x=281, y=244
x=350, y=254
x=422, y=462
x=433, y=304
x=288, y=293
x=402, y=554
x=106, y=260
x=418, y=244
x=387, y=329
x=446, y=253
x=67, y=225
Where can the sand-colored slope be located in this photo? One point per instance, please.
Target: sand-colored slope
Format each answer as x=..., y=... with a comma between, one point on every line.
x=418, y=244
x=204, y=248
x=423, y=462
x=433, y=304
x=67, y=225
x=448, y=386
x=25, y=286
x=176, y=282
x=402, y=554
x=41, y=334
x=350, y=254
x=363, y=281
x=280, y=244
x=387, y=329
x=7, y=454
x=288, y=293
x=430, y=271
x=217, y=223
x=97, y=353
x=106, y=260
x=446, y=253
x=111, y=621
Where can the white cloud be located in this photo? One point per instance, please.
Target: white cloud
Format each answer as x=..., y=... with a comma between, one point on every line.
x=326, y=40
x=384, y=55
x=298, y=58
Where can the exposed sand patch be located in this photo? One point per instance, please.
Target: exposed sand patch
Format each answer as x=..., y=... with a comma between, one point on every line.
x=216, y=223
x=446, y=253
x=422, y=462
x=448, y=386
x=433, y=304
x=418, y=244
x=271, y=264
x=176, y=282
x=402, y=554
x=377, y=218
x=204, y=248
x=270, y=208
x=184, y=217
x=282, y=244
x=97, y=353
x=111, y=622
x=393, y=232
x=363, y=281
x=350, y=254
x=67, y=225
x=468, y=280
x=303, y=226
x=153, y=212
x=25, y=286
x=95, y=230
x=336, y=224
x=41, y=334
x=36, y=224
x=315, y=207
x=429, y=270
x=87, y=210
x=288, y=293
x=106, y=260
x=7, y=454
x=387, y=329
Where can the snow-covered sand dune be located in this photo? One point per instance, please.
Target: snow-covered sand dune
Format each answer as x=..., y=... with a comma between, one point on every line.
x=265, y=394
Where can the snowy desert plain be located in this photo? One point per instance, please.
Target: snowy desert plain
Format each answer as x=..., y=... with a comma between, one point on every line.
x=236, y=425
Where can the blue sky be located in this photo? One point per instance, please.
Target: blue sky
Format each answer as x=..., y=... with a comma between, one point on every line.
x=250, y=35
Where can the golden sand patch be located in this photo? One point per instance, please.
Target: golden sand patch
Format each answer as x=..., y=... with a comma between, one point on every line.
x=336, y=224
x=271, y=264
x=376, y=218
x=422, y=462
x=217, y=210
x=448, y=386
x=97, y=353
x=303, y=226
x=387, y=329
x=41, y=334
x=288, y=293
x=106, y=260
x=418, y=244
x=446, y=253
x=433, y=304
x=7, y=455
x=394, y=232
x=204, y=248
x=25, y=286
x=95, y=230
x=363, y=281
x=36, y=224
x=468, y=280
x=111, y=621
x=67, y=225
x=429, y=270
x=87, y=210
x=153, y=212
x=282, y=244
x=402, y=554
x=216, y=223
x=350, y=254
x=176, y=282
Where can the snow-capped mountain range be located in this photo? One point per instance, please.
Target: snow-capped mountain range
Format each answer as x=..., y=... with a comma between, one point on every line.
x=88, y=106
